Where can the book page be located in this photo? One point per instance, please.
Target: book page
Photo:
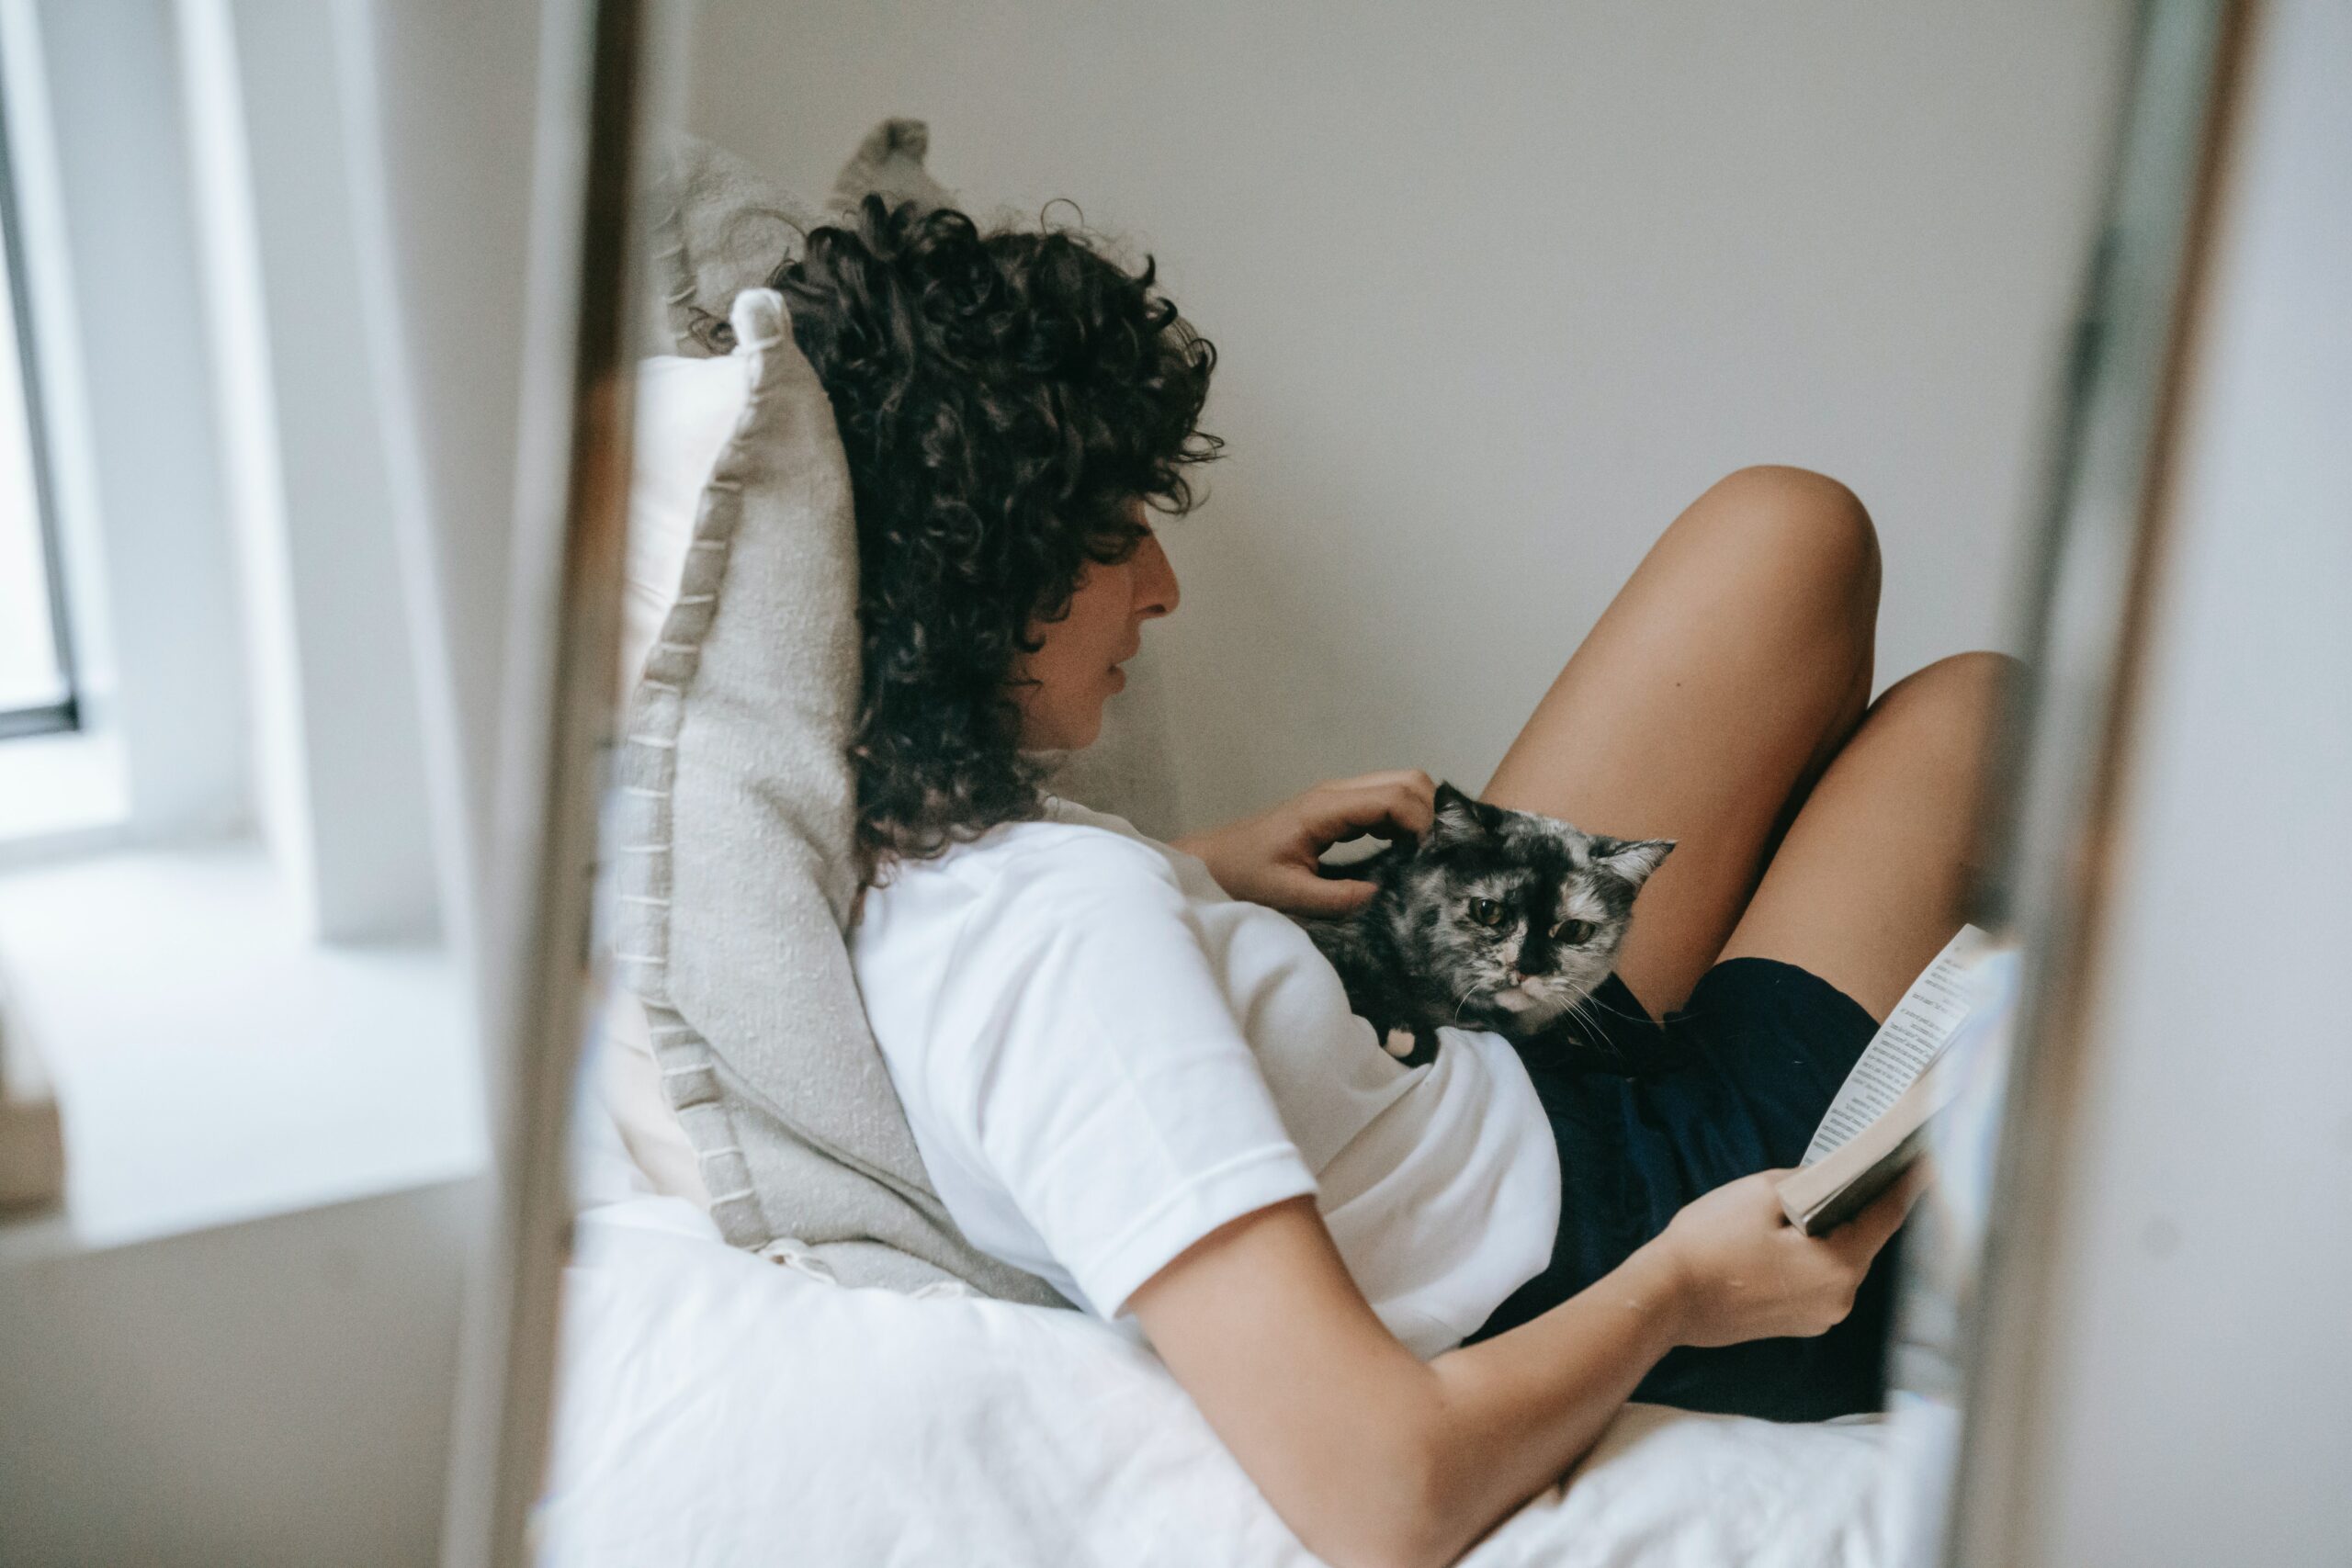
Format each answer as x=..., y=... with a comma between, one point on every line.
x=1914, y=1035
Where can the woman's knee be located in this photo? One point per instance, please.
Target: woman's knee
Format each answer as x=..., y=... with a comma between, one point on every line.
x=1946, y=709
x=1803, y=534
x=1974, y=679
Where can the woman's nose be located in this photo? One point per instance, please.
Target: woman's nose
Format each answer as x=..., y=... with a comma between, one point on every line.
x=1155, y=579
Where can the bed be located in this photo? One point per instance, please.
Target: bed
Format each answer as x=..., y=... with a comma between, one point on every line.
x=718, y=1408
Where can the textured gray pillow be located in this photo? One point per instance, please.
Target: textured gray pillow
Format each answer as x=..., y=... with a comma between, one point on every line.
x=889, y=163
x=736, y=873
x=726, y=227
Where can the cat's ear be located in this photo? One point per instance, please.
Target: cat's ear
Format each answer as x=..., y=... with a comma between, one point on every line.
x=1456, y=817
x=1632, y=858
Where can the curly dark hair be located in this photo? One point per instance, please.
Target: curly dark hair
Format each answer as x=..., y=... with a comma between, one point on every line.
x=1004, y=399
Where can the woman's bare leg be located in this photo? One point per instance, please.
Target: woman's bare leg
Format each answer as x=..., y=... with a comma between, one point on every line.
x=1712, y=692
x=1873, y=875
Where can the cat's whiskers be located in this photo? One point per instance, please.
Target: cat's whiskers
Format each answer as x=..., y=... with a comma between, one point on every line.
x=1593, y=999
x=1578, y=1010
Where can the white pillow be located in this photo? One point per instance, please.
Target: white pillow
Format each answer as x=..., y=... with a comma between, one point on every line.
x=686, y=411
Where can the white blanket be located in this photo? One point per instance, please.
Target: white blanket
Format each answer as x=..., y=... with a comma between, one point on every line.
x=720, y=1409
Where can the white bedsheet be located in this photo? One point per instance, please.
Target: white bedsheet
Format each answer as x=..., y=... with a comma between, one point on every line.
x=719, y=1409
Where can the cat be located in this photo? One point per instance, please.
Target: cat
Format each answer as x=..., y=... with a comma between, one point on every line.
x=1493, y=919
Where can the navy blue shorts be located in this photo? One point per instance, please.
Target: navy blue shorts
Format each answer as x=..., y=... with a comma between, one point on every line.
x=1748, y=1067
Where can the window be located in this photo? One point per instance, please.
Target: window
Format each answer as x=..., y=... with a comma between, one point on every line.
x=36, y=661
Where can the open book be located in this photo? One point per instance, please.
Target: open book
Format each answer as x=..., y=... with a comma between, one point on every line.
x=1876, y=1125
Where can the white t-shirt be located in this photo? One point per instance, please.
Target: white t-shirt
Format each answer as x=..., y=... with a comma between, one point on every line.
x=1103, y=1058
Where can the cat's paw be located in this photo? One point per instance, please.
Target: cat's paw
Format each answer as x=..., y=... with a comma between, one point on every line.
x=1415, y=1048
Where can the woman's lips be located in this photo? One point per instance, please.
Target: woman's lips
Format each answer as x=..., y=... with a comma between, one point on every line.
x=1118, y=678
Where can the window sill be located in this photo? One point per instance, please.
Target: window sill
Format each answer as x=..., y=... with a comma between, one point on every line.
x=214, y=1065
x=60, y=794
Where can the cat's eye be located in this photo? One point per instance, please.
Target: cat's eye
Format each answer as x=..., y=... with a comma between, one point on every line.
x=1487, y=911
x=1573, y=932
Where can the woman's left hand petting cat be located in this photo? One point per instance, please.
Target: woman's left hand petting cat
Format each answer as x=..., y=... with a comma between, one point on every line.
x=1274, y=858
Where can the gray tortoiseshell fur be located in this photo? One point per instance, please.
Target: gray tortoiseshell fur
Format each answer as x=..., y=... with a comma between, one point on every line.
x=1494, y=919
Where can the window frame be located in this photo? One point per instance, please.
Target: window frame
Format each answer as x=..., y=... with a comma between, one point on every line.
x=65, y=713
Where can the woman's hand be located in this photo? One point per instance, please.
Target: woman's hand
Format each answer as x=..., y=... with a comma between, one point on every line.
x=1744, y=1272
x=1272, y=858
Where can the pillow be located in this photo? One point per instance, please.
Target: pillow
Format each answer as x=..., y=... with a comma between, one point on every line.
x=685, y=411
x=726, y=229
x=888, y=163
x=728, y=226
x=735, y=816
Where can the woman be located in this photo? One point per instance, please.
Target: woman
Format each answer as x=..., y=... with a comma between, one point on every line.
x=1406, y=1300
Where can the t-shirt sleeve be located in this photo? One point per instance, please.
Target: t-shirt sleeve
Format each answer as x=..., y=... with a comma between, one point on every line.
x=1106, y=1082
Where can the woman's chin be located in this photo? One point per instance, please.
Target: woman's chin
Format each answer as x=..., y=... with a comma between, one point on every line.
x=1078, y=734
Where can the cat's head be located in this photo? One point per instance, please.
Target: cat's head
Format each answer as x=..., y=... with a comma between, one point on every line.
x=1518, y=915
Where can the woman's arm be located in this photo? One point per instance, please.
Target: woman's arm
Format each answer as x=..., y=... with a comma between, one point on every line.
x=1379, y=1460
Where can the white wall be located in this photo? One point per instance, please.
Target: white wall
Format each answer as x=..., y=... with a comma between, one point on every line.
x=275, y=1393
x=442, y=130
x=2199, y=1406
x=1498, y=288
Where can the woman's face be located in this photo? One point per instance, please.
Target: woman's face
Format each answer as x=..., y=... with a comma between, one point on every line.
x=1060, y=689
